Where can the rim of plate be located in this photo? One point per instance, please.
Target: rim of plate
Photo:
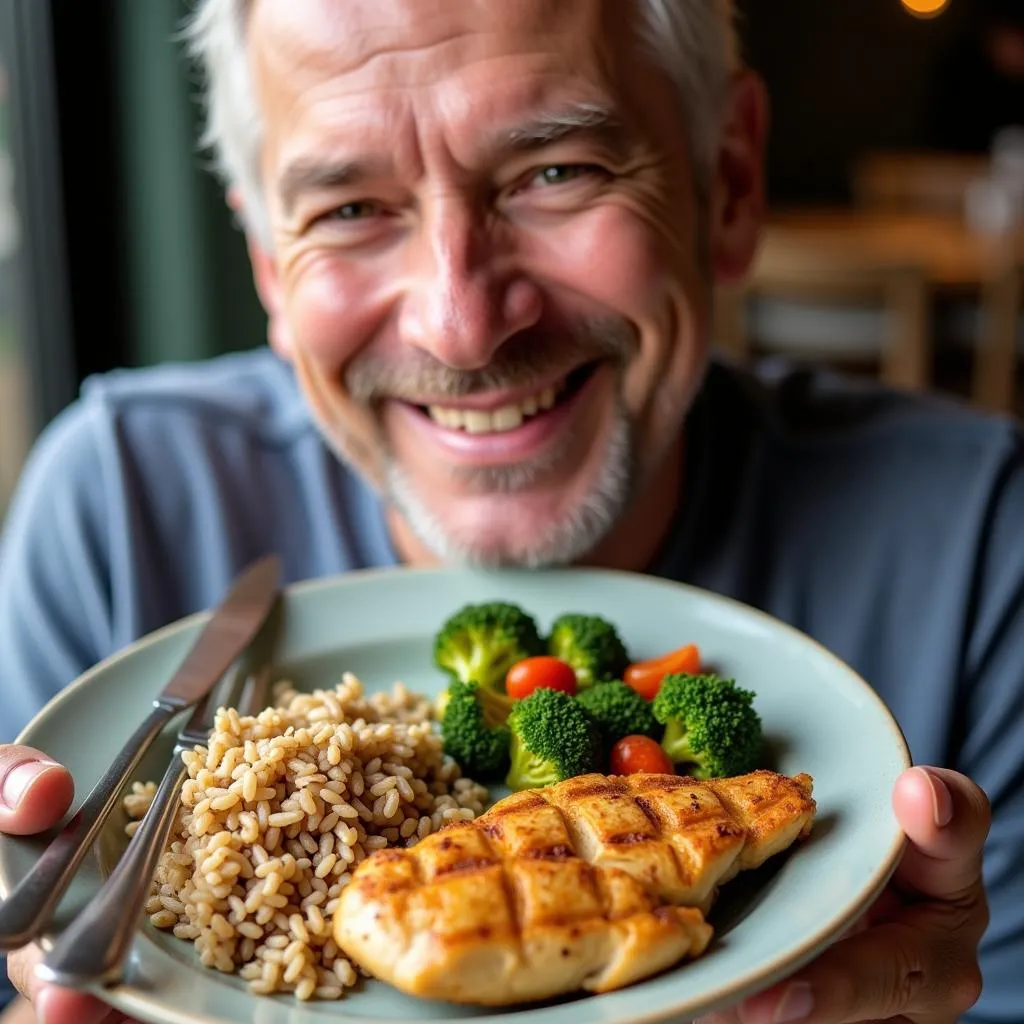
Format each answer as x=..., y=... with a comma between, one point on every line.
x=129, y=999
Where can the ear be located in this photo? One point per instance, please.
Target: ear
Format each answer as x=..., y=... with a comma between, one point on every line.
x=268, y=283
x=738, y=191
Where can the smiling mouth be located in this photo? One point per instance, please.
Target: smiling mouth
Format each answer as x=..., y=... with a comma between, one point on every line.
x=509, y=417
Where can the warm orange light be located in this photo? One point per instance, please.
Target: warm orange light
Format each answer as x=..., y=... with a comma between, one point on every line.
x=925, y=8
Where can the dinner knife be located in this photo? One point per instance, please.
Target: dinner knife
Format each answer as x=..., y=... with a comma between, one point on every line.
x=232, y=626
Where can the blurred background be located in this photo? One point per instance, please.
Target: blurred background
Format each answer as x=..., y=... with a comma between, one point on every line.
x=896, y=178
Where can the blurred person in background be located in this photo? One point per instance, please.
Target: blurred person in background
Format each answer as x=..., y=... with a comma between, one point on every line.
x=487, y=236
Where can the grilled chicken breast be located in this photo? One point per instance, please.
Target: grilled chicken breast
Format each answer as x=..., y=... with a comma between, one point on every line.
x=594, y=883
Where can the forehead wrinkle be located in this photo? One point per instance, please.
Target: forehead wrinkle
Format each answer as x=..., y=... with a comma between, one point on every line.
x=396, y=140
x=550, y=70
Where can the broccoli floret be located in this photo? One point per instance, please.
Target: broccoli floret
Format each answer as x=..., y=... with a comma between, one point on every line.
x=553, y=739
x=619, y=711
x=711, y=727
x=480, y=643
x=591, y=645
x=481, y=750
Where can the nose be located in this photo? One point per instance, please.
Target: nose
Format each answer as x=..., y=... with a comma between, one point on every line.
x=463, y=297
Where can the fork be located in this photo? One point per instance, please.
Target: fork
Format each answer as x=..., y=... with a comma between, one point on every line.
x=95, y=946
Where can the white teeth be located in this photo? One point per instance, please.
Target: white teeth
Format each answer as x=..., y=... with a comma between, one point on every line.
x=446, y=417
x=477, y=421
x=508, y=417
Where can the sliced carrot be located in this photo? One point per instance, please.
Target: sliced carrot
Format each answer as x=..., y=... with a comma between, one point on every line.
x=645, y=676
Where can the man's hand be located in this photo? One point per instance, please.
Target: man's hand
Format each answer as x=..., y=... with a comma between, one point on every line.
x=35, y=792
x=914, y=957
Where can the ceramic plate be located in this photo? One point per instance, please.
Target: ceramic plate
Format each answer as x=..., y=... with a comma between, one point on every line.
x=820, y=718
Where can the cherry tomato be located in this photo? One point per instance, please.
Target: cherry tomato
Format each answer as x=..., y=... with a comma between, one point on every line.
x=540, y=673
x=645, y=676
x=633, y=754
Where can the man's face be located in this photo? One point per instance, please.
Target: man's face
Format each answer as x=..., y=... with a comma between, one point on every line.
x=488, y=264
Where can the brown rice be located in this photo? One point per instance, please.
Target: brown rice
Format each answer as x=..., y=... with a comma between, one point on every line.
x=276, y=812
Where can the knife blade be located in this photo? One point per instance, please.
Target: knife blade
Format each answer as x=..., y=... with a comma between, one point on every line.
x=230, y=629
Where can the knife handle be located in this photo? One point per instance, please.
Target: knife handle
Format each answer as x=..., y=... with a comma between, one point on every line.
x=94, y=947
x=30, y=905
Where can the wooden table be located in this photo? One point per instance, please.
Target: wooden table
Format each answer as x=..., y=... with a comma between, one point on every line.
x=941, y=250
x=926, y=180
x=952, y=256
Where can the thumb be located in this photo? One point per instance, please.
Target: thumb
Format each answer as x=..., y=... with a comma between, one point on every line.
x=53, y=1005
x=35, y=791
x=62, y=1006
x=946, y=819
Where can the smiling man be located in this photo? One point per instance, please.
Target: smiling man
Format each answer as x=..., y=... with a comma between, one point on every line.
x=487, y=234
x=483, y=243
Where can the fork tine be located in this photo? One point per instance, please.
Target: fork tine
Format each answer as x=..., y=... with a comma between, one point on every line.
x=255, y=695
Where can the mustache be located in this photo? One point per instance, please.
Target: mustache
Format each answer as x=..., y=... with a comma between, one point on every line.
x=522, y=360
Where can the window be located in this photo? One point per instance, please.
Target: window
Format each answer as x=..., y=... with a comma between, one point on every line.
x=16, y=414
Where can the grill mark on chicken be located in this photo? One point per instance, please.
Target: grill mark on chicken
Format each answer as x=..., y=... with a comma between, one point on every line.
x=630, y=838
x=577, y=841
x=463, y=865
x=647, y=807
x=513, y=899
x=610, y=787
x=559, y=852
x=642, y=782
x=590, y=868
x=528, y=802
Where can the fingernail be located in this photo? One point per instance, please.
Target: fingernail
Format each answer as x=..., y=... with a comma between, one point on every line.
x=942, y=799
x=796, y=1003
x=19, y=778
x=58, y=1006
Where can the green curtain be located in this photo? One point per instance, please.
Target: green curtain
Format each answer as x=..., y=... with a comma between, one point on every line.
x=189, y=277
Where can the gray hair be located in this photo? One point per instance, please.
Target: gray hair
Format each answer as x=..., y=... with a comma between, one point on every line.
x=694, y=40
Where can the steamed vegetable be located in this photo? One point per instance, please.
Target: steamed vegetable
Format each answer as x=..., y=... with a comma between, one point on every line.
x=591, y=645
x=479, y=644
x=633, y=754
x=553, y=739
x=619, y=711
x=542, y=672
x=645, y=676
x=481, y=750
x=711, y=727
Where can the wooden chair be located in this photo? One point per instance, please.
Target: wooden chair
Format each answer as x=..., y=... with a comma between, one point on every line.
x=989, y=323
x=834, y=283
x=997, y=353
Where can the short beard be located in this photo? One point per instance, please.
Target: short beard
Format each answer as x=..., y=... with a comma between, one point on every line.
x=563, y=543
x=520, y=362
